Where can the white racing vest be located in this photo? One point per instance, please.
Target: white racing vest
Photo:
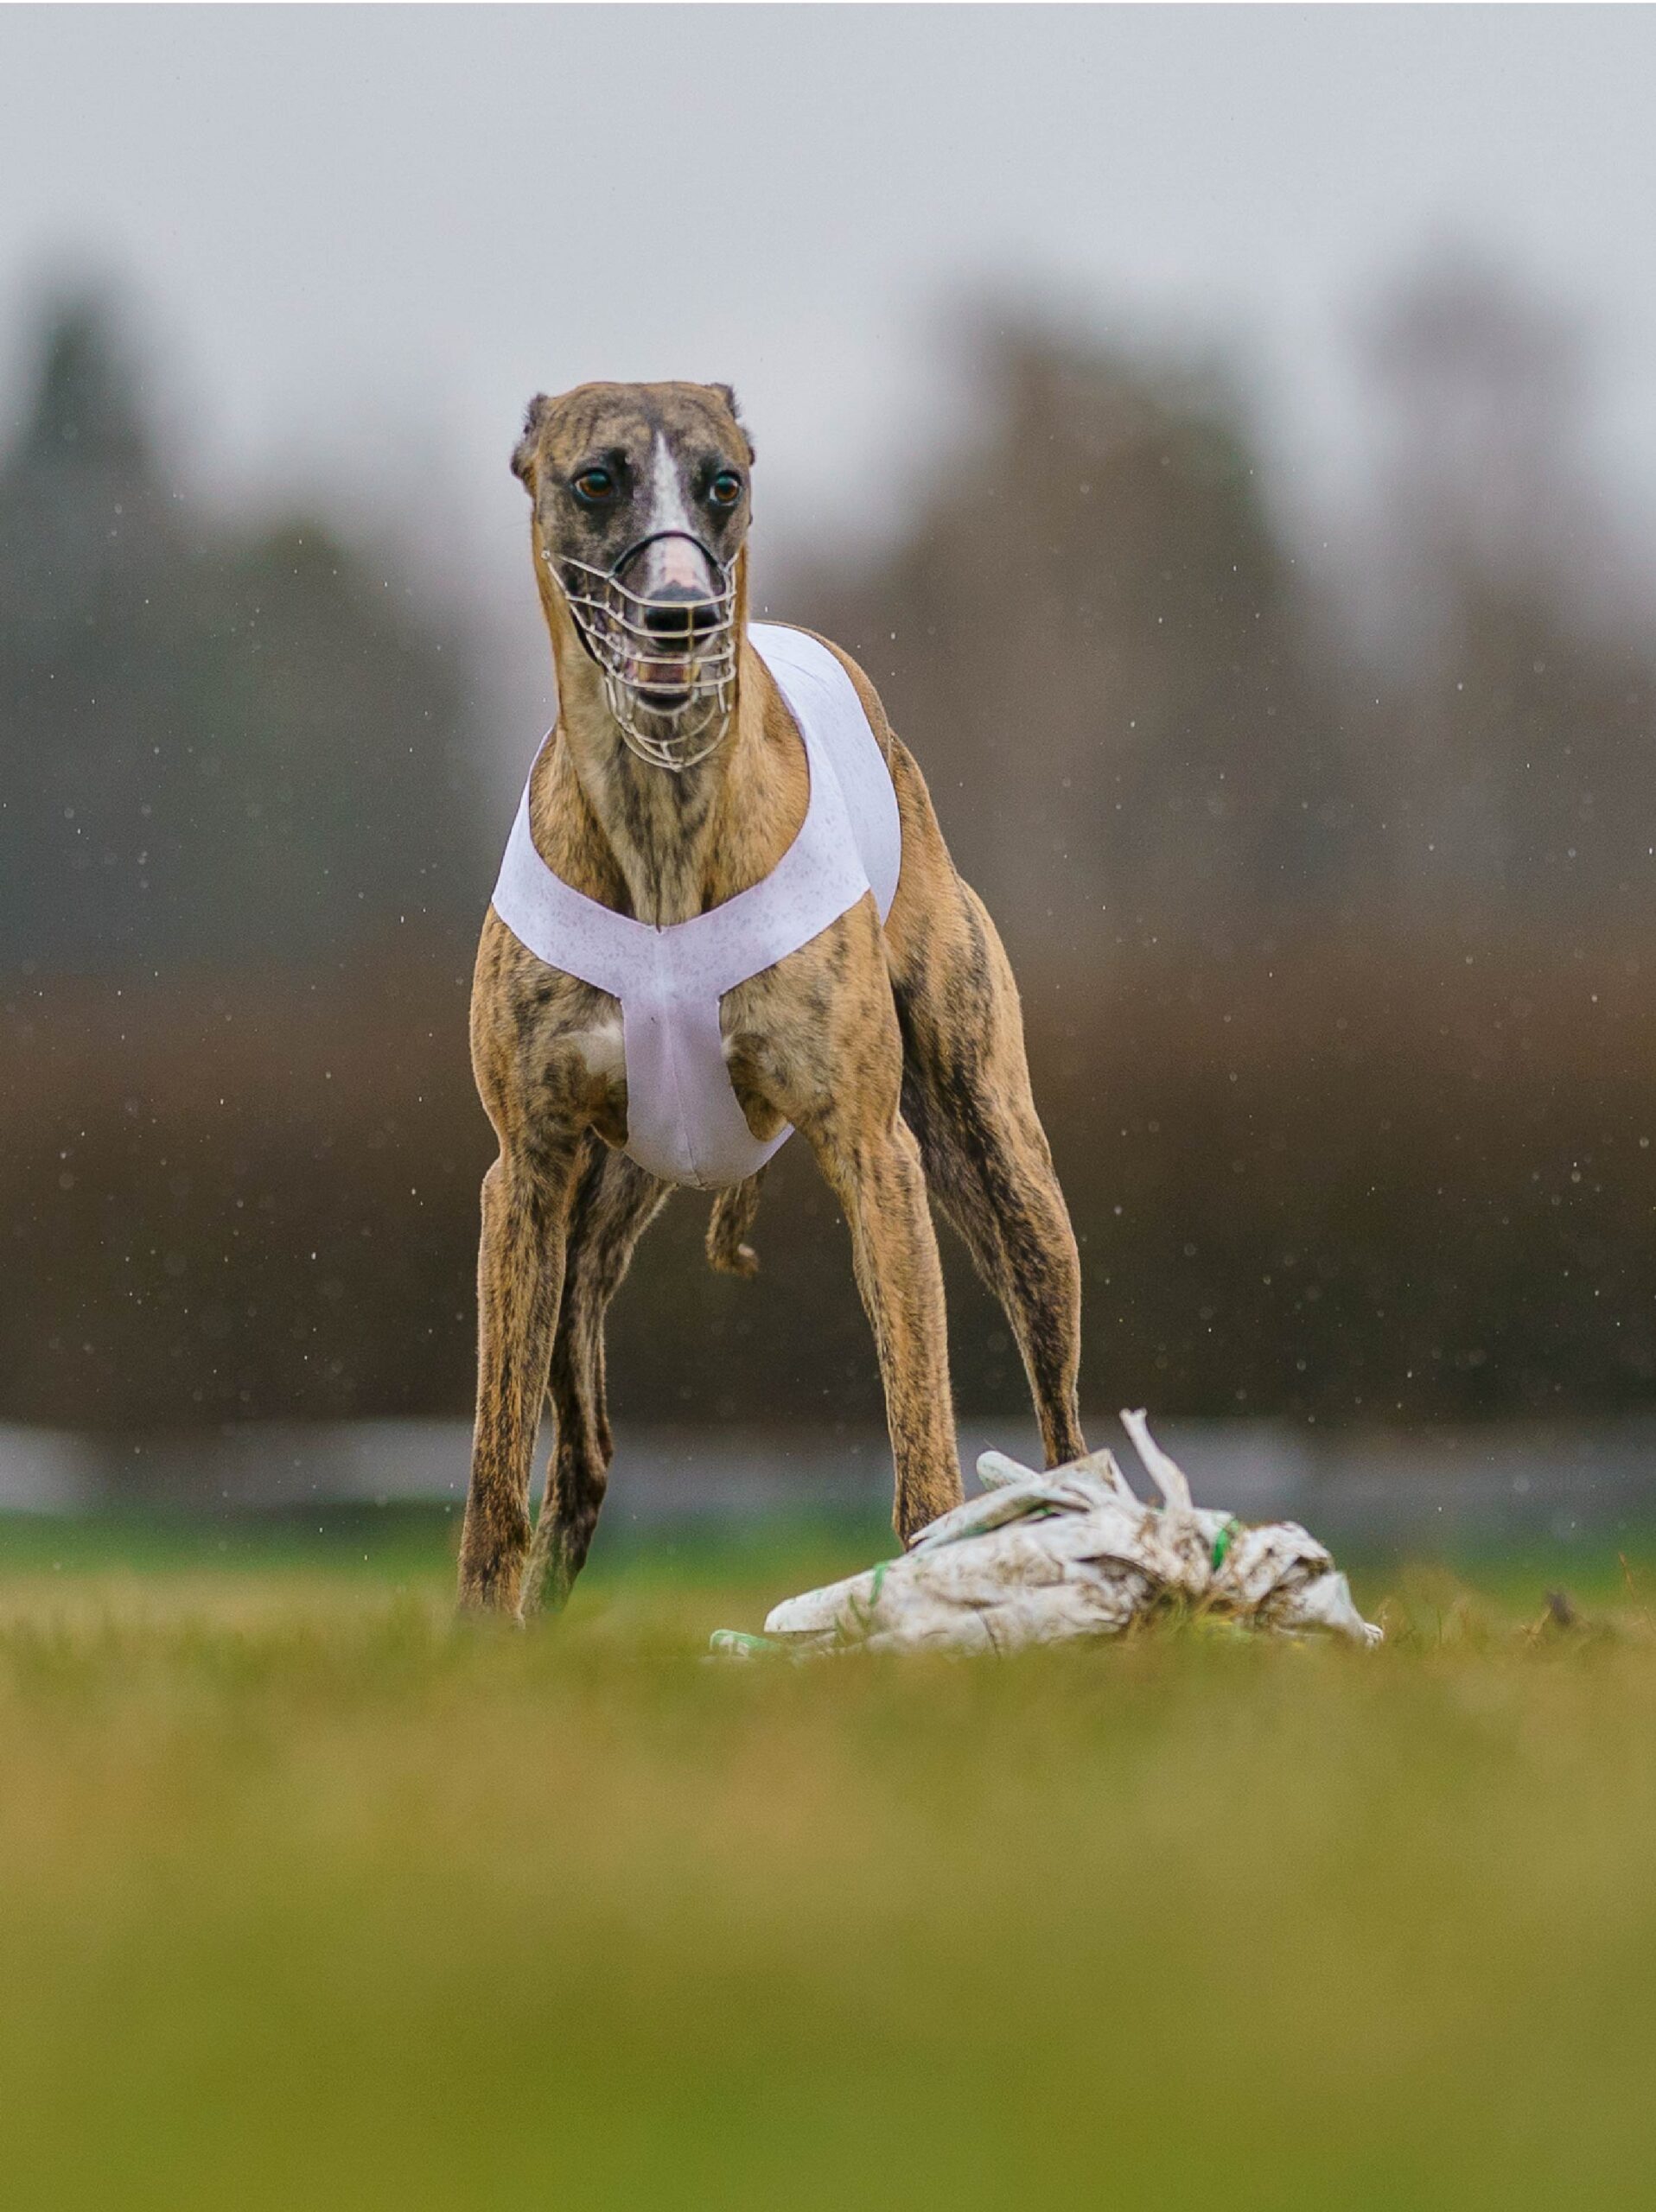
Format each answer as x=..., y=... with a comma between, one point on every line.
x=683, y=1122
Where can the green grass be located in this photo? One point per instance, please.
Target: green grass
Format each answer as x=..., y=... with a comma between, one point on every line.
x=307, y=1900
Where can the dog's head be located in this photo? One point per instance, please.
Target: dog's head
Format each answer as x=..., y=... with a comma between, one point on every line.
x=642, y=506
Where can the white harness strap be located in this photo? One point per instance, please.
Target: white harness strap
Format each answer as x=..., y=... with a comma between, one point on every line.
x=683, y=1122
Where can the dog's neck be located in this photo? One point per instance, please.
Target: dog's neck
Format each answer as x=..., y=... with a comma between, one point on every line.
x=662, y=829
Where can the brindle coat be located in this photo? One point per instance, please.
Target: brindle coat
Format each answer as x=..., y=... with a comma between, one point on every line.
x=897, y=1053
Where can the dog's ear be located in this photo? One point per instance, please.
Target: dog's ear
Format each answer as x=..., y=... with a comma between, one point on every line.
x=526, y=457
x=730, y=401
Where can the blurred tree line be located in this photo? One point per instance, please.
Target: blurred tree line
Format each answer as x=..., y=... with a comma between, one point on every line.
x=1332, y=913
x=243, y=748
x=240, y=859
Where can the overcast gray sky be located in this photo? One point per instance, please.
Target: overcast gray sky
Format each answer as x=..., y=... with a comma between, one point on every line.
x=360, y=238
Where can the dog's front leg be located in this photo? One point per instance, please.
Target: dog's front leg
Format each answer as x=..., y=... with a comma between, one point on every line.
x=878, y=1179
x=519, y=1284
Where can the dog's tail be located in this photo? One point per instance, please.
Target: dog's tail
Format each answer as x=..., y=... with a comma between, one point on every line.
x=732, y=1219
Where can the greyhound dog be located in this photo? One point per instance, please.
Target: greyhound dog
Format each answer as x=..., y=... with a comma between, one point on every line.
x=732, y=794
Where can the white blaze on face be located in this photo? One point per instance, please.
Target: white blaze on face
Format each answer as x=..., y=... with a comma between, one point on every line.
x=672, y=564
x=674, y=559
x=669, y=509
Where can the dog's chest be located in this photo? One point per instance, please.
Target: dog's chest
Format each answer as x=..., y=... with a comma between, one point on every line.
x=668, y=1079
x=587, y=1067
x=599, y=1052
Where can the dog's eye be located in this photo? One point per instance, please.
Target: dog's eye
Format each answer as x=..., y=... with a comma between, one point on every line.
x=726, y=489
x=594, y=486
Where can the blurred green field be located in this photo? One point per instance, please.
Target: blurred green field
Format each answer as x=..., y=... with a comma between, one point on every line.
x=307, y=1900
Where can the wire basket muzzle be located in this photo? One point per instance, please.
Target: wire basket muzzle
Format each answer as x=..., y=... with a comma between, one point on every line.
x=668, y=663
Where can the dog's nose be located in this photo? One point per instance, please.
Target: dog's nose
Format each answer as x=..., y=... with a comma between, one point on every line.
x=678, y=612
x=669, y=571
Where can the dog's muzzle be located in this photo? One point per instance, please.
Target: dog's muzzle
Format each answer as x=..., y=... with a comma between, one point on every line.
x=668, y=662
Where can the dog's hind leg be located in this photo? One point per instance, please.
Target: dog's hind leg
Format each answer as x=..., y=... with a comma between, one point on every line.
x=615, y=1203
x=966, y=1096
